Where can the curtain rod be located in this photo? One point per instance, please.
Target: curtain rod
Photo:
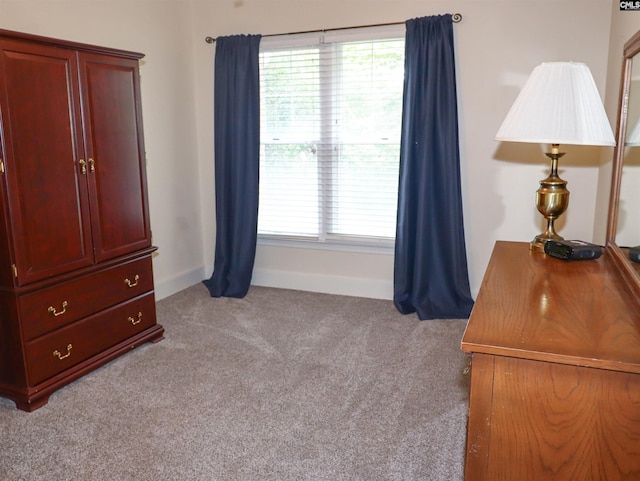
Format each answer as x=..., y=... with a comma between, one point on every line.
x=455, y=17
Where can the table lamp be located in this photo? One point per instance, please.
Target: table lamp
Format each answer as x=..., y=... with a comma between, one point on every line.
x=559, y=104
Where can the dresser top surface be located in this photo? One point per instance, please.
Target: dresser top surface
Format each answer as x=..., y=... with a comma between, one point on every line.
x=534, y=306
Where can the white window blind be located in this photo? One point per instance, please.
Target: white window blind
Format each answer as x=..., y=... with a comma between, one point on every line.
x=330, y=137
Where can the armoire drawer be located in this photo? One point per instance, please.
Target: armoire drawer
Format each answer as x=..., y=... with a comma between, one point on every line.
x=48, y=309
x=72, y=344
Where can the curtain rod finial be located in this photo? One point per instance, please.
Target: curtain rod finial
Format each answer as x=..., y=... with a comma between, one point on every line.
x=456, y=17
x=210, y=40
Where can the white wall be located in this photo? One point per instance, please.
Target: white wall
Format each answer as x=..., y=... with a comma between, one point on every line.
x=498, y=43
x=161, y=30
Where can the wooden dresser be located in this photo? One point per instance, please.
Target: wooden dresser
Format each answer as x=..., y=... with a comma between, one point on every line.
x=76, y=278
x=555, y=373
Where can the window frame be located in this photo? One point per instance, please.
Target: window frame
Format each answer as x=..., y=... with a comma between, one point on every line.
x=325, y=241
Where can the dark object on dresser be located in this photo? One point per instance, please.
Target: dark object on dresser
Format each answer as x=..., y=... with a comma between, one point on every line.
x=572, y=250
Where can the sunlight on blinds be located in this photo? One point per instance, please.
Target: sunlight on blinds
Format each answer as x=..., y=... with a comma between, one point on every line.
x=330, y=137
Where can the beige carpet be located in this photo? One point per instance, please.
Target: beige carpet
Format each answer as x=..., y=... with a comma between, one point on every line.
x=281, y=385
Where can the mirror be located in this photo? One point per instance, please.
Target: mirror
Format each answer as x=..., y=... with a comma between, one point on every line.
x=623, y=228
x=628, y=229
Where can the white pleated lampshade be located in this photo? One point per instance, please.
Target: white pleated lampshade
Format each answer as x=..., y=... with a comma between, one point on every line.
x=559, y=104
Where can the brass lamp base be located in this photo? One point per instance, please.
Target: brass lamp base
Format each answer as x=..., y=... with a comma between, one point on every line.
x=552, y=199
x=538, y=242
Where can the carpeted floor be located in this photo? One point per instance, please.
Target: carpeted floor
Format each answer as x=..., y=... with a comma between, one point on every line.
x=280, y=385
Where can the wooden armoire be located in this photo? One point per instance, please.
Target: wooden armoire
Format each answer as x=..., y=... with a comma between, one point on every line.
x=76, y=279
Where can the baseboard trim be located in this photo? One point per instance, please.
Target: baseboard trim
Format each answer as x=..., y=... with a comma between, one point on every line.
x=347, y=286
x=167, y=287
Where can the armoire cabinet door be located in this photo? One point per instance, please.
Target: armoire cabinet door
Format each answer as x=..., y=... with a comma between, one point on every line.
x=40, y=127
x=115, y=152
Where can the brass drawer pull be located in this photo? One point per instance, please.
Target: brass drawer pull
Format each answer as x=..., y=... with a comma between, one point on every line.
x=92, y=167
x=53, y=310
x=60, y=356
x=136, y=321
x=134, y=283
x=83, y=166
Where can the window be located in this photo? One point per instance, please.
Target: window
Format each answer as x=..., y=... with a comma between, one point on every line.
x=330, y=137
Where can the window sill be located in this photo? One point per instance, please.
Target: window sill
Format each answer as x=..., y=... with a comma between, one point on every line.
x=364, y=247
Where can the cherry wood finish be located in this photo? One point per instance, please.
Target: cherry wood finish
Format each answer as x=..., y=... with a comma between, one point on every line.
x=76, y=280
x=82, y=296
x=46, y=197
x=81, y=340
x=555, y=377
x=113, y=138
